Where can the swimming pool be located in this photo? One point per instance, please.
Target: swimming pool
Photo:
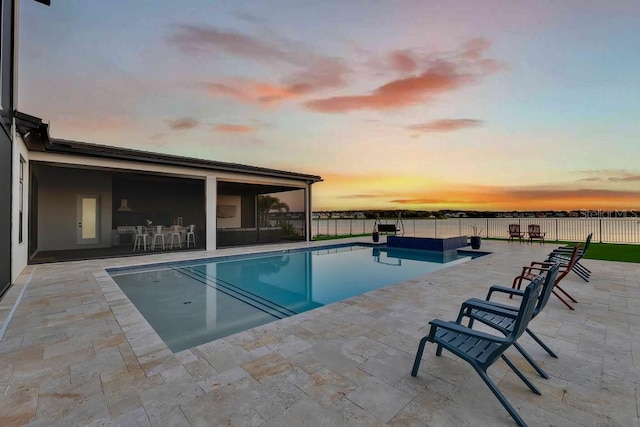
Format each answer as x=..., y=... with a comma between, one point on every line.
x=190, y=303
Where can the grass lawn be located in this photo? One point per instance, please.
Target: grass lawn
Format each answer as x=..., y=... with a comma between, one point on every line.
x=613, y=252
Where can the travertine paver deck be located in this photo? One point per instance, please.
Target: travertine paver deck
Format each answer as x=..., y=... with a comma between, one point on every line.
x=77, y=352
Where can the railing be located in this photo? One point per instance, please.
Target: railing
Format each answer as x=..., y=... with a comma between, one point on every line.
x=605, y=230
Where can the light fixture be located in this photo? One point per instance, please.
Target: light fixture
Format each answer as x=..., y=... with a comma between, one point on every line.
x=124, y=207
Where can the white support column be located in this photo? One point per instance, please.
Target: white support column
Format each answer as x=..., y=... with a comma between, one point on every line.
x=211, y=201
x=308, y=213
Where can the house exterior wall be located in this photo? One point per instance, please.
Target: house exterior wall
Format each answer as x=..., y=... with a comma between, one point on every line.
x=58, y=193
x=19, y=249
x=235, y=221
x=211, y=199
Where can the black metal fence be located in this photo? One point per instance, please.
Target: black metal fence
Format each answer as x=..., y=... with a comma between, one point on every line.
x=605, y=230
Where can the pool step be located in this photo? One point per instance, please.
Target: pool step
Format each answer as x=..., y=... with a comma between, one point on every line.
x=240, y=294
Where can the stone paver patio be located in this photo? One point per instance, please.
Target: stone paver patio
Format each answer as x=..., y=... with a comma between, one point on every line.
x=77, y=352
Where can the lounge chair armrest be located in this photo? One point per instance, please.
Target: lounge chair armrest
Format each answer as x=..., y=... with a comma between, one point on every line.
x=555, y=254
x=483, y=305
x=454, y=327
x=504, y=290
x=489, y=307
x=531, y=269
x=542, y=264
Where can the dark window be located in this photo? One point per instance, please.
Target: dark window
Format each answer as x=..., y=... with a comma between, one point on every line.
x=21, y=199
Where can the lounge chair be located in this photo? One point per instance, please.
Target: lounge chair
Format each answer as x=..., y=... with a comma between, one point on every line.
x=514, y=231
x=563, y=253
x=480, y=349
x=535, y=233
x=502, y=317
x=528, y=273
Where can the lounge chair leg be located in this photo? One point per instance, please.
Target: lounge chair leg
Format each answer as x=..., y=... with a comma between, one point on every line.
x=532, y=362
x=562, y=300
x=416, y=363
x=524, y=379
x=540, y=343
x=503, y=400
x=565, y=292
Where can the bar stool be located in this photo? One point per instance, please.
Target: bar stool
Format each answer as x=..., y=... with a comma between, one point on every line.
x=158, y=232
x=175, y=233
x=191, y=233
x=141, y=237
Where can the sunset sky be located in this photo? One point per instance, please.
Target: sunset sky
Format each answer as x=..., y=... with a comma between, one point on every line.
x=487, y=105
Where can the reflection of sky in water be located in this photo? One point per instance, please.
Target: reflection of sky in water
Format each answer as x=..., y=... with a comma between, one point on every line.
x=188, y=305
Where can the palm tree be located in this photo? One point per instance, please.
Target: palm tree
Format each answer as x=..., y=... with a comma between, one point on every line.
x=266, y=204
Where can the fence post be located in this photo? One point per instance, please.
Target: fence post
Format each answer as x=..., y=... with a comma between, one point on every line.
x=350, y=227
x=487, y=228
x=435, y=228
x=600, y=221
x=556, y=229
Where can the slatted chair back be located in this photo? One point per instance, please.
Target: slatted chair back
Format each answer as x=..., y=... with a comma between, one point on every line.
x=527, y=307
x=572, y=260
x=514, y=231
x=547, y=288
x=587, y=243
x=525, y=314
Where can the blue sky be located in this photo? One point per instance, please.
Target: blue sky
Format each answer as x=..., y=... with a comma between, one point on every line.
x=488, y=105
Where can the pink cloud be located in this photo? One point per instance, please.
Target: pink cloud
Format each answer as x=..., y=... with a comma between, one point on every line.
x=445, y=125
x=442, y=73
x=311, y=72
x=403, y=60
x=182, y=124
x=201, y=39
x=475, y=48
x=231, y=128
x=397, y=93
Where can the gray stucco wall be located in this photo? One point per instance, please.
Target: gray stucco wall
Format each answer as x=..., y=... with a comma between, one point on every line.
x=58, y=193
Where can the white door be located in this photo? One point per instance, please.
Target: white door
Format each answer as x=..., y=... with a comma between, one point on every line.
x=88, y=220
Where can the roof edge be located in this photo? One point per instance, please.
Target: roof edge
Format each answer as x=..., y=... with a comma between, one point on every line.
x=65, y=146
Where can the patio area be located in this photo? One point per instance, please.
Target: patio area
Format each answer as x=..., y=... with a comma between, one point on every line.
x=77, y=352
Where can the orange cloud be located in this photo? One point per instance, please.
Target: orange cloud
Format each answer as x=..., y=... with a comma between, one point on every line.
x=248, y=91
x=445, y=73
x=323, y=74
x=403, y=60
x=231, y=128
x=445, y=125
x=182, y=124
x=395, y=94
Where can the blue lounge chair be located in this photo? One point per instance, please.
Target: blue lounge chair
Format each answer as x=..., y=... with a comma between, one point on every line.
x=480, y=349
x=502, y=317
x=563, y=254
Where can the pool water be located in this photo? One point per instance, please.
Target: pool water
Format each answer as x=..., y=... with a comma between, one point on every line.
x=189, y=304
